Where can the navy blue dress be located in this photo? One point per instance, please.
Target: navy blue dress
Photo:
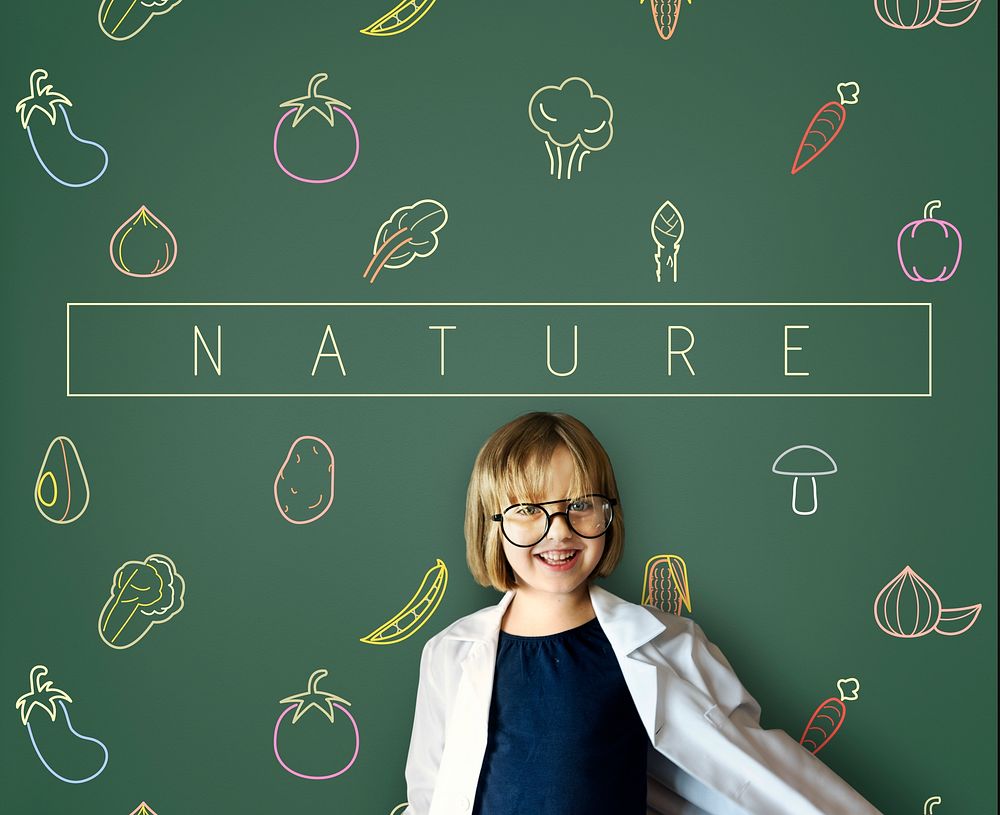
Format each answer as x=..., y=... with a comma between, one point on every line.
x=565, y=737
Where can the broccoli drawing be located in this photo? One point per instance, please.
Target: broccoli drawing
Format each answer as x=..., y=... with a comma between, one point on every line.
x=575, y=122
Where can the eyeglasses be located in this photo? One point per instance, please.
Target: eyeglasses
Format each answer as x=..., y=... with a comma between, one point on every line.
x=589, y=516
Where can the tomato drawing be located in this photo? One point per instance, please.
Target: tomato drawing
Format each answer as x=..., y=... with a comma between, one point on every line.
x=328, y=108
x=323, y=702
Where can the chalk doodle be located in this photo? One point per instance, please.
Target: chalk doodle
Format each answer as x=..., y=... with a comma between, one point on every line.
x=804, y=461
x=825, y=126
x=912, y=14
x=829, y=716
x=572, y=118
x=417, y=610
x=55, y=496
x=152, y=247
x=52, y=104
x=930, y=803
x=665, y=16
x=667, y=229
x=303, y=487
x=151, y=588
x=399, y=19
x=908, y=607
x=950, y=233
x=409, y=233
x=327, y=108
x=399, y=808
x=43, y=695
x=142, y=809
x=123, y=19
x=324, y=702
x=665, y=584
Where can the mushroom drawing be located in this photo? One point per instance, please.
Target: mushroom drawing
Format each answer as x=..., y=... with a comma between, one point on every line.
x=804, y=461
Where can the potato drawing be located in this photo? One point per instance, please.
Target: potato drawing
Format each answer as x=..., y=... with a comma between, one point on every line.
x=303, y=488
x=61, y=489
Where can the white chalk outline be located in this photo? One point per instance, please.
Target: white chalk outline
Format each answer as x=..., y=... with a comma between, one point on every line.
x=248, y=304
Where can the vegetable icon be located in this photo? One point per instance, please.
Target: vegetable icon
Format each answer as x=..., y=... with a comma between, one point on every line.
x=152, y=246
x=404, y=16
x=829, y=716
x=911, y=14
x=908, y=607
x=910, y=230
x=61, y=471
x=143, y=809
x=324, y=702
x=45, y=696
x=123, y=19
x=417, y=610
x=327, y=107
x=665, y=16
x=303, y=487
x=409, y=233
x=665, y=584
x=825, y=125
x=930, y=803
x=571, y=115
x=667, y=229
x=151, y=587
x=52, y=104
x=804, y=461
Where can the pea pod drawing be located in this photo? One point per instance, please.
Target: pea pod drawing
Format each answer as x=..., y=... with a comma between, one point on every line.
x=43, y=695
x=52, y=105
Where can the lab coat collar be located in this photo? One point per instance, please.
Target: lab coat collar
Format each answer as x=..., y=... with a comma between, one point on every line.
x=626, y=625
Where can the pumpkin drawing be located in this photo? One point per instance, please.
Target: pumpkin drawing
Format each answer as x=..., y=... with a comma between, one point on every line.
x=912, y=14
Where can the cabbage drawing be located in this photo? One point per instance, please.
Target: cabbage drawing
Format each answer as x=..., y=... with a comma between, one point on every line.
x=575, y=122
x=143, y=594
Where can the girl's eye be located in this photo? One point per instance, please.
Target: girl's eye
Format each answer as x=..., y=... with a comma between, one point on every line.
x=580, y=504
x=527, y=511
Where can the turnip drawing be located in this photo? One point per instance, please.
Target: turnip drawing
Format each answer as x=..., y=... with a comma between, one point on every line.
x=575, y=122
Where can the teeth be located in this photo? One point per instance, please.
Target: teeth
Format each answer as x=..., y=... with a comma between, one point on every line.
x=551, y=558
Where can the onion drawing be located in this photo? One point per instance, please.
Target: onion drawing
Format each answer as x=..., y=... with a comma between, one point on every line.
x=908, y=607
x=143, y=246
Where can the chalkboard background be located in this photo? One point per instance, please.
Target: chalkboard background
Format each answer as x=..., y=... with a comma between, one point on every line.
x=709, y=120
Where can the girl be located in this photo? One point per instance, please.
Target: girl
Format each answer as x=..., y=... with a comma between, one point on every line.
x=564, y=699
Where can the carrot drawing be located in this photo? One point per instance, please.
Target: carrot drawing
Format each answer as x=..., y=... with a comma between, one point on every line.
x=828, y=717
x=825, y=125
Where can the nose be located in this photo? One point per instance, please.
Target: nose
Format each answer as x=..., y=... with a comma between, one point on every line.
x=559, y=525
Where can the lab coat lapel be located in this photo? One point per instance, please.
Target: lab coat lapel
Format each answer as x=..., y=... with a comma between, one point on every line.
x=626, y=625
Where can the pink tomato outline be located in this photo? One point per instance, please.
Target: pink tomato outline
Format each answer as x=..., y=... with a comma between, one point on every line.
x=290, y=174
x=281, y=761
x=912, y=226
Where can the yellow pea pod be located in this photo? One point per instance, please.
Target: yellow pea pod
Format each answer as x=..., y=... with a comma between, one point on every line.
x=416, y=612
x=404, y=16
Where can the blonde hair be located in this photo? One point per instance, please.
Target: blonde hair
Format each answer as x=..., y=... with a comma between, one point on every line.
x=511, y=467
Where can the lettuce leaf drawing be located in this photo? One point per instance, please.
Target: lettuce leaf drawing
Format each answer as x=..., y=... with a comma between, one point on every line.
x=410, y=233
x=143, y=594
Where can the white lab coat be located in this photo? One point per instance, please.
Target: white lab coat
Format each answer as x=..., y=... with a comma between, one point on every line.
x=708, y=754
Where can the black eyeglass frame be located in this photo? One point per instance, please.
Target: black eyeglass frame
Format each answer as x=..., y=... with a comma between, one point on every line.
x=613, y=502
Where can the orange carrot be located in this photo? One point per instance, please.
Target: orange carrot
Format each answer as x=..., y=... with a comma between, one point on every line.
x=825, y=126
x=823, y=725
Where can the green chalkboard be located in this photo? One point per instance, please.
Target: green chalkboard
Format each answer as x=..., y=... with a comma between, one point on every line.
x=901, y=391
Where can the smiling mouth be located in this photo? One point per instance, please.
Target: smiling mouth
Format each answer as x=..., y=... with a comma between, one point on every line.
x=559, y=561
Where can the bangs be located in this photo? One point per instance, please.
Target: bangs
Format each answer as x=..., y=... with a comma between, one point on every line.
x=524, y=472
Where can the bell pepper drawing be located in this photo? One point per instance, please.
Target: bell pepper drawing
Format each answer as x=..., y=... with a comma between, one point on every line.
x=52, y=104
x=950, y=234
x=45, y=696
